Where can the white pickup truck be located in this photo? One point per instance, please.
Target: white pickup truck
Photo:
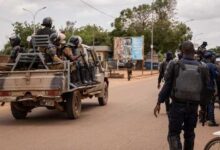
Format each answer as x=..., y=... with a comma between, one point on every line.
x=31, y=88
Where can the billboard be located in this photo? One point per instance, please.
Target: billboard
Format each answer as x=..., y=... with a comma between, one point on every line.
x=128, y=48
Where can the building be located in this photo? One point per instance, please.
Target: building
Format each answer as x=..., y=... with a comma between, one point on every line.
x=103, y=52
x=148, y=60
x=155, y=57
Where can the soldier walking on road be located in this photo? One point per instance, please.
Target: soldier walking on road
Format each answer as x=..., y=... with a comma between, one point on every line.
x=129, y=66
x=163, y=66
x=213, y=72
x=186, y=83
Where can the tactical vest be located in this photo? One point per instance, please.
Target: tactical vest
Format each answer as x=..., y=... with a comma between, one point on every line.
x=188, y=85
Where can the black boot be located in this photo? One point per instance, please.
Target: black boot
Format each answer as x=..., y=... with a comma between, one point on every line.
x=174, y=143
x=83, y=76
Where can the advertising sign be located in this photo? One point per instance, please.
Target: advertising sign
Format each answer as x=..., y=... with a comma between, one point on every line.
x=128, y=48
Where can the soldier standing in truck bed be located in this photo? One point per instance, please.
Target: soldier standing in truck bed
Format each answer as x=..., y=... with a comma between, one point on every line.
x=47, y=30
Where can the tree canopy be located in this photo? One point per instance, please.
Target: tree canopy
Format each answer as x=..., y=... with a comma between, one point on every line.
x=89, y=33
x=168, y=33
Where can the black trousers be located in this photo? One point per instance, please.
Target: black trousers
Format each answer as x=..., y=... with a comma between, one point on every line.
x=167, y=104
x=182, y=117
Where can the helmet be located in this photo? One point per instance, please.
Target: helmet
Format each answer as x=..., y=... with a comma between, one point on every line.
x=54, y=37
x=75, y=41
x=169, y=56
x=204, y=43
x=47, y=22
x=15, y=40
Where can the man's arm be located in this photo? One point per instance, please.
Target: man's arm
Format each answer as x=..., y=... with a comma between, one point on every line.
x=167, y=87
x=68, y=52
x=52, y=52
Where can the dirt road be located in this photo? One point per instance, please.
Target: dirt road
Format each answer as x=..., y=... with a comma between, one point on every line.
x=126, y=123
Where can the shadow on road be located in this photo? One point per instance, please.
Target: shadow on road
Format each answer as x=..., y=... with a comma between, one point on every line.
x=44, y=117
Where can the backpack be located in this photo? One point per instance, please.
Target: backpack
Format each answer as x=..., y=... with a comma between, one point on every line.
x=188, y=84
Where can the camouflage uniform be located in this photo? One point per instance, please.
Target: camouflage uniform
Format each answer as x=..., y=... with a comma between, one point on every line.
x=51, y=57
x=71, y=54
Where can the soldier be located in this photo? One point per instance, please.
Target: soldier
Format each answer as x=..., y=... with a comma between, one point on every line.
x=47, y=23
x=163, y=66
x=15, y=42
x=16, y=49
x=213, y=72
x=70, y=52
x=51, y=51
x=82, y=64
x=129, y=65
x=186, y=83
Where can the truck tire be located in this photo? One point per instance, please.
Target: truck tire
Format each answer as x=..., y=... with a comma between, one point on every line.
x=18, y=110
x=104, y=100
x=73, y=105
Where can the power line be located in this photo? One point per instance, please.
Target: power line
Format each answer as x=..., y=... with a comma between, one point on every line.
x=102, y=12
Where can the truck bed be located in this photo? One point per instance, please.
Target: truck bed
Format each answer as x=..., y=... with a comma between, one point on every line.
x=35, y=82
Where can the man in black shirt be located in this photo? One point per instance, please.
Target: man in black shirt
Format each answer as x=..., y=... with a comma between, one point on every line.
x=163, y=66
x=186, y=82
x=47, y=23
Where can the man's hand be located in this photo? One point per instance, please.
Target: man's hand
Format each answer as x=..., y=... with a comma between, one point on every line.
x=157, y=109
x=158, y=86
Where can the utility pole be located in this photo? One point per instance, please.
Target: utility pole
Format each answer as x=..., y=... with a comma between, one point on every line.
x=152, y=37
x=34, y=14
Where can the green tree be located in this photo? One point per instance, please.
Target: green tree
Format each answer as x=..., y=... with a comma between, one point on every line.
x=24, y=30
x=216, y=50
x=137, y=21
x=90, y=34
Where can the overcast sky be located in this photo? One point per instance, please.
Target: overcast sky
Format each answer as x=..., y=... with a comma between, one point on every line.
x=205, y=27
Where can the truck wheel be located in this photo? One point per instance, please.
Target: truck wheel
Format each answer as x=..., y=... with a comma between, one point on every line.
x=73, y=105
x=104, y=100
x=18, y=110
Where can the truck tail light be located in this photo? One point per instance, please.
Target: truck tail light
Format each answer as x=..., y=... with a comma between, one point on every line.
x=53, y=93
x=4, y=93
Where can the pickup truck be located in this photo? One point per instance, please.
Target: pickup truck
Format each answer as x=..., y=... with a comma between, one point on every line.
x=31, y=83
